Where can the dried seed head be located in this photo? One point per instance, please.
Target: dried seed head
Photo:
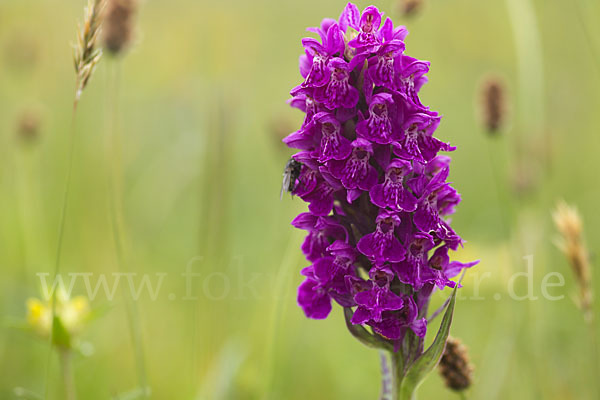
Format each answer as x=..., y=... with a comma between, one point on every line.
x=28, y=125
x=454, y=365
x=493, y=104
x=570, y=226
x=410, y=8
x=86, y=55
x=118, y=24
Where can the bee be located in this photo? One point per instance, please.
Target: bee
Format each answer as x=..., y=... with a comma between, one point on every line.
x=291, y=172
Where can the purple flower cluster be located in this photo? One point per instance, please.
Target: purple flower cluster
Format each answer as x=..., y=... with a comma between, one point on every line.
x=378, y=237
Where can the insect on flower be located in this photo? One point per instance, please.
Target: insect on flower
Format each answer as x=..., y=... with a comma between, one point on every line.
x=290, y=175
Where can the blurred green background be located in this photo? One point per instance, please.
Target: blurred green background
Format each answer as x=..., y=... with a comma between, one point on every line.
x=201, y=110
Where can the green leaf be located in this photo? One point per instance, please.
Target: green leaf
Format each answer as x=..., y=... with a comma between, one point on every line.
x=417, y=372
x=366, y=338
x=60, y=336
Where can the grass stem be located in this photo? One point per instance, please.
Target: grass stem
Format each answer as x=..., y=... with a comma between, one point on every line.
x=117, y=222
x=59, y=244
x=68, y=377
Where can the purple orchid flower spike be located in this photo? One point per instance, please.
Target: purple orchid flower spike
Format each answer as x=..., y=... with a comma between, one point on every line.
x=378, y=230
x=392, y=192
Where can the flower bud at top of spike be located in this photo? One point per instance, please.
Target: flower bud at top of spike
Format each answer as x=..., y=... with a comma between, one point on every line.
x=455, y=367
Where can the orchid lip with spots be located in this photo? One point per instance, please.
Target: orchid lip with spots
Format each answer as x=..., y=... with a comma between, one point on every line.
x=378, y=229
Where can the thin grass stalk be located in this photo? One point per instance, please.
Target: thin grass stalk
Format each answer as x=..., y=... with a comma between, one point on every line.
x=117, y=222
x=530, y=103
x=530, y=69
x=59, y=244
x=277, y=313
x=86, y=56
x=212, y=227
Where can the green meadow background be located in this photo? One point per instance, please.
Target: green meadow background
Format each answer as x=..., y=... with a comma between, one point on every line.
x=200, y=111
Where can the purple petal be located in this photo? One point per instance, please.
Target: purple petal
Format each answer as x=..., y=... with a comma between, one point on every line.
x=314, y=301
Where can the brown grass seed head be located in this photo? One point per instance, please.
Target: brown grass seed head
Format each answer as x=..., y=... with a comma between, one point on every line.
x=455, y=367
x=118, y=24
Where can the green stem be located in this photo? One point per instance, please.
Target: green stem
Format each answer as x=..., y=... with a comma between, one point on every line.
x=61, y=231
x=66, y=367
x=116, y=218
x=397, y=372
x=594, y=351
x=531, y=122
